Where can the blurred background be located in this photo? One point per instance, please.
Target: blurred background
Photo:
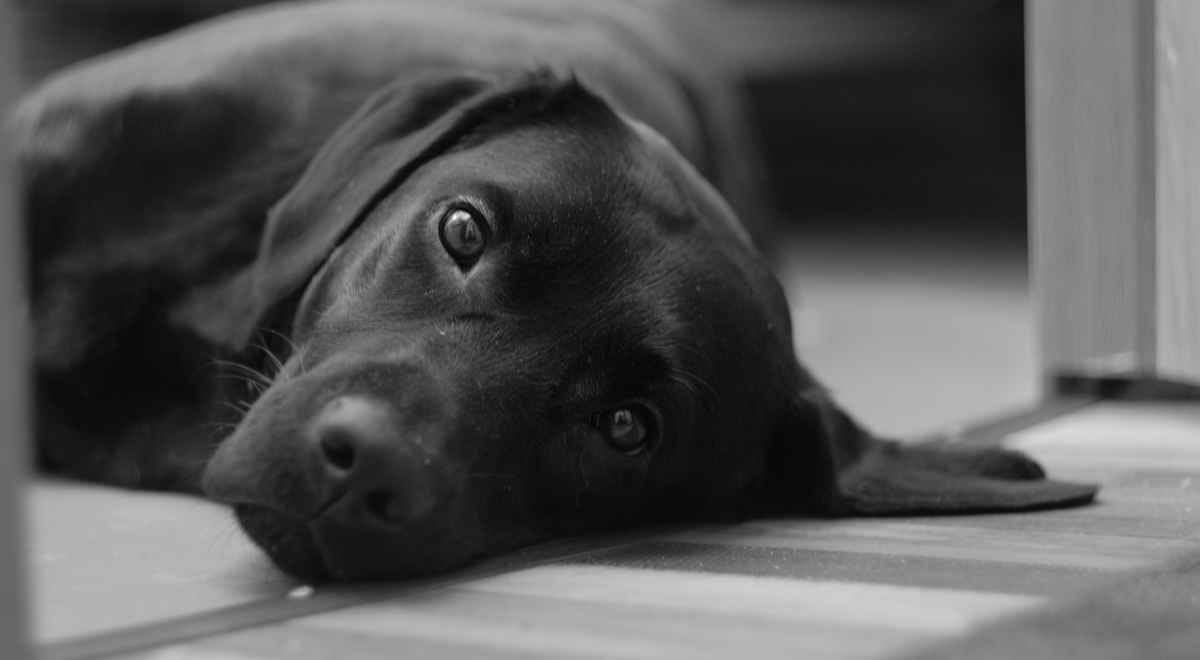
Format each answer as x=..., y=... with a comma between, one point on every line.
x=893, y=134
x=908, y=107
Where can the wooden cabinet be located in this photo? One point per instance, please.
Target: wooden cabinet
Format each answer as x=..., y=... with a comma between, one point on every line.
x=1114, y=198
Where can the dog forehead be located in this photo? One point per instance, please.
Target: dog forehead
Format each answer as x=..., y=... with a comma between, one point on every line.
x=595, y=218
x=553, y=171
x=556, y=192
x=557, y=196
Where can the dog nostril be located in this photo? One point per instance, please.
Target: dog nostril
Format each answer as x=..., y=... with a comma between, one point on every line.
x=338, y=447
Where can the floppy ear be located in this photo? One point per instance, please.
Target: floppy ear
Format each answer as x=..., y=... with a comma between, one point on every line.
x=822, y=462
x=393, y=133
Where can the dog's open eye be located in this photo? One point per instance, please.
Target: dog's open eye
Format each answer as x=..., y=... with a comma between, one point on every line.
x=628, y=429
x=463, y=234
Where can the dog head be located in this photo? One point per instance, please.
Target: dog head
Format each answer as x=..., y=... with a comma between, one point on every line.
x=514, y=313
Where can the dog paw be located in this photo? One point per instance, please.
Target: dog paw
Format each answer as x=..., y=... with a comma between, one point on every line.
x=1004, y=464
x=987, y=462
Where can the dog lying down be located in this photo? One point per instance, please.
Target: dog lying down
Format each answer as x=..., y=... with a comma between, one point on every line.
x=403, y=298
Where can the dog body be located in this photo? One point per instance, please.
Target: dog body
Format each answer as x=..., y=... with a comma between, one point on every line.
x=476, y=250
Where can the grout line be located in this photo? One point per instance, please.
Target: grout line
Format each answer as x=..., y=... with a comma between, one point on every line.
x=275, y=610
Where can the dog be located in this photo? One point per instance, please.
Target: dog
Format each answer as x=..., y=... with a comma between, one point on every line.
x=411, y=283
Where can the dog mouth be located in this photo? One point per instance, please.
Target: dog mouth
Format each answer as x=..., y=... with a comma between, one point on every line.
x=310, y=552
x=287, y=541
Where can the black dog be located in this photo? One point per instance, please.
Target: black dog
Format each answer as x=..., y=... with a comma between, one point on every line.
x=505, y=307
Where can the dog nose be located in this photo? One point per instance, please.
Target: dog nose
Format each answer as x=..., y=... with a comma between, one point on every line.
x=349, y=429
x=374, y=474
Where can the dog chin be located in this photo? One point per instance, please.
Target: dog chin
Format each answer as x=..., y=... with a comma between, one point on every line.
x=287, y=540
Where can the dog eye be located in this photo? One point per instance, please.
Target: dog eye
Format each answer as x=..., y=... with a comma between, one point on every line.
x=463, y=234
x=627, y=429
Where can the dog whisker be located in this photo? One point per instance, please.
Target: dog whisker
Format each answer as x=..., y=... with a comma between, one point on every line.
x=240, y=369
x=253, y=386
x=286, y=339
x=292, y=349
x=275, y=362
x=240, y=407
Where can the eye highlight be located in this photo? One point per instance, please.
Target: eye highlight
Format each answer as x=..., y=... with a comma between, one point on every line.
x=628, y=429
x=464, y=235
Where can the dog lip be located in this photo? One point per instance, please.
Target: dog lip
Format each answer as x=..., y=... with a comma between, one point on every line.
x=334, y=498
x=287, y=540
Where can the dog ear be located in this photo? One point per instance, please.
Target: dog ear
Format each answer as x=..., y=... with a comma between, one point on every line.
x=822, y=462
x=393, y=133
